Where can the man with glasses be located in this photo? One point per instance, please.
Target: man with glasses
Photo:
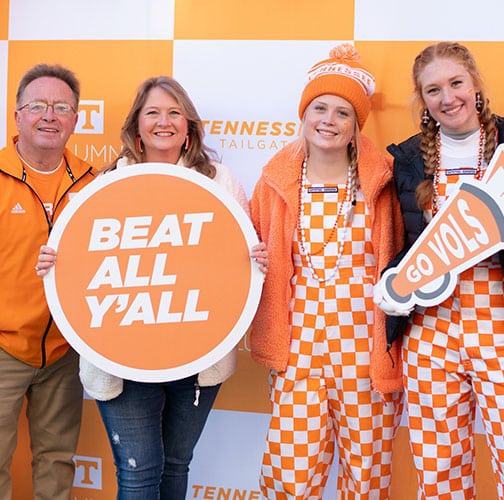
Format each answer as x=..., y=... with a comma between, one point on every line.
x=38, y=175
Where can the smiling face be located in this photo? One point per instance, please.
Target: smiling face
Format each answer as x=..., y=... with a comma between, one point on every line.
x=329, y=123
x=448, y=92
x=162, y=127
x=45, y=134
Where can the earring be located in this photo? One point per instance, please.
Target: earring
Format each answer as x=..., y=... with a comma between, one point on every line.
x=425, y=117
x=187, y=142
x=139, y=144
x=478, y=103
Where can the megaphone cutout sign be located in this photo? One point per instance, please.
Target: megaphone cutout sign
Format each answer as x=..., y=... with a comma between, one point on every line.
x=468, y=229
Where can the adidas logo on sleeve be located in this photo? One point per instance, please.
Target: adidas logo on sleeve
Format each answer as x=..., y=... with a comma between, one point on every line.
x=17, y=209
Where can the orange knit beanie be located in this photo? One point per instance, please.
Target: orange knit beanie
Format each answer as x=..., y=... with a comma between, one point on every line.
x=341, y=75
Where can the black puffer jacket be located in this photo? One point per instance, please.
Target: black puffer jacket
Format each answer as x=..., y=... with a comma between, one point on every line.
x=408, y=173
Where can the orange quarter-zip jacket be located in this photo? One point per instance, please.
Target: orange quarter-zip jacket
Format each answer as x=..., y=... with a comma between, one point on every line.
x=27, y=330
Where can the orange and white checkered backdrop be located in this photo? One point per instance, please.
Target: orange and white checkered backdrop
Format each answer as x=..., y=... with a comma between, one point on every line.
x=244, y=63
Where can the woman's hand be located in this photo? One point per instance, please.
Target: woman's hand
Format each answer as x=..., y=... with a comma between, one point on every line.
x=386, y=307
x=46, y=259
x=260, y=255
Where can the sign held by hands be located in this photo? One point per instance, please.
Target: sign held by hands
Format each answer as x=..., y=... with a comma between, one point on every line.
x=153, y=279
x=468, y=229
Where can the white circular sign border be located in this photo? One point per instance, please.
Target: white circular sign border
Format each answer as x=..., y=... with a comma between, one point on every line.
x=240, y=326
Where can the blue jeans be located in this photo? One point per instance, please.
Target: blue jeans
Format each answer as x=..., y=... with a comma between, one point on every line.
x=153, y=429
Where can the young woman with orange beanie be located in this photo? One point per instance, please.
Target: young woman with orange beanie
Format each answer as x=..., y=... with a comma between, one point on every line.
x=325, y=206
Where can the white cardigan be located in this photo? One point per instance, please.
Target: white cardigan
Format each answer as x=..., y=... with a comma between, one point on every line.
x=104, y=386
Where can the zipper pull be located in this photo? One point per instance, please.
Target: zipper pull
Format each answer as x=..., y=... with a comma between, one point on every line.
x=196, y=393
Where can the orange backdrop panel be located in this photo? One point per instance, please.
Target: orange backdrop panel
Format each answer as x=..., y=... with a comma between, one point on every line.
x=247, y=389
x=404, y=481
x=4, y=19
x=264, y=19
x=394, y=118
x=109, y=70
x=93, y=442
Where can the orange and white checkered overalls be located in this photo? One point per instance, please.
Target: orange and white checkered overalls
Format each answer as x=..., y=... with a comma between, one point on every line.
x=324, y=396
x=454, y=359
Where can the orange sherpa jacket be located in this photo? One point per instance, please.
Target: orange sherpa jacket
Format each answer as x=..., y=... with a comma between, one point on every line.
x=274, y=209
x=27, y=330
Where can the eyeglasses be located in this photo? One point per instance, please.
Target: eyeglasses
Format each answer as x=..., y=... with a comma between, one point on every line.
x=40, y=108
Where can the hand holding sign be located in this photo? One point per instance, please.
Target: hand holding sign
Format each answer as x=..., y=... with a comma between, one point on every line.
x=389, y=308
x=154, y=279
x=468, y=229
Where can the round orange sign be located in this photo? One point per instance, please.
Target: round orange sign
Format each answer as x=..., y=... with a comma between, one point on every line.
x=153, y=280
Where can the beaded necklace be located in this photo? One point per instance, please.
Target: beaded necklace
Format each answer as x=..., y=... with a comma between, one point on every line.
x=345, y=209
x=435, y=204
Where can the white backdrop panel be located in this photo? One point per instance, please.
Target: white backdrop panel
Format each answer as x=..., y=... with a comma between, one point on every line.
x=235, y=443
x=91, y=20
x=245, y=82
x=467, y=20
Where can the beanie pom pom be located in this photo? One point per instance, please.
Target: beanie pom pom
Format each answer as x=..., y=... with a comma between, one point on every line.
x=341, y=75
x=346, y=52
